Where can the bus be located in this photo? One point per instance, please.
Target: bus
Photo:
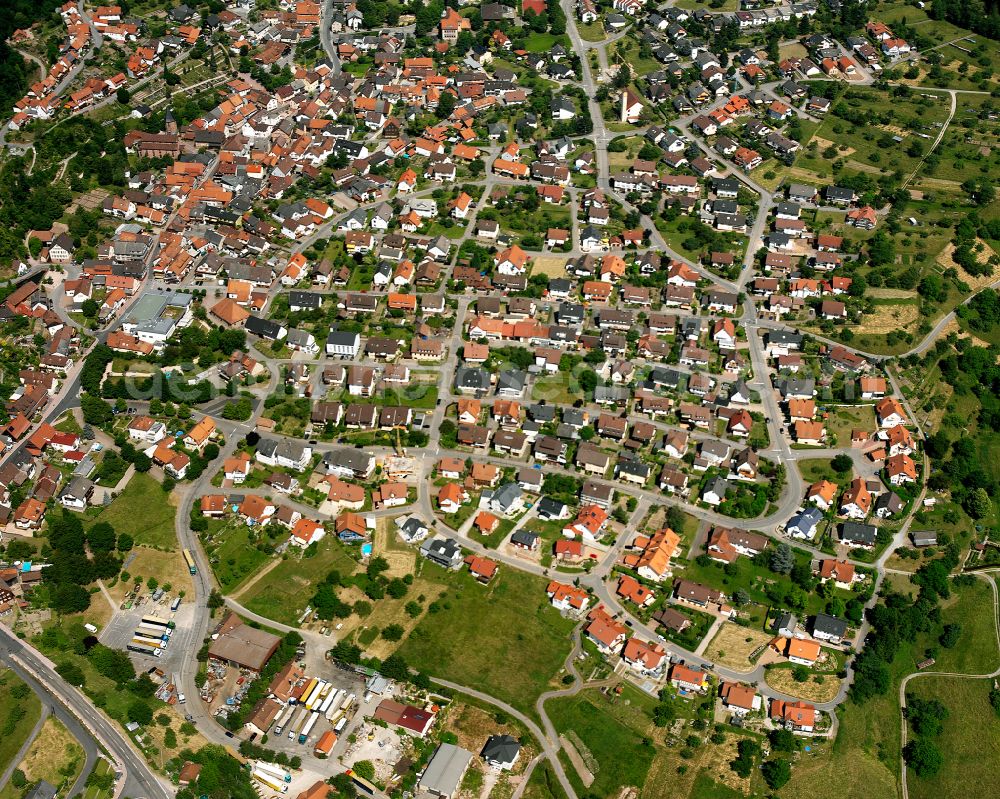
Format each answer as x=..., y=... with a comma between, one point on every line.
x=190, y=562
x=156, y=621
x=175, y=604
x=144, y=647
x=151, y=631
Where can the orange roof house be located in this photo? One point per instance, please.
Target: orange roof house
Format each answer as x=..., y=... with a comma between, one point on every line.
x=483, y=569
x=631, y=589
x=567, y=597
x=651, y=556
x=199, y=435
x=799, y=650
x=797, y=715
x=486, y=522
x=840, y=571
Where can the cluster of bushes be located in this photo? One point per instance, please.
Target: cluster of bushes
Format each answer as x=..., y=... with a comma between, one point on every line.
x=372, y=581
x=899, y=619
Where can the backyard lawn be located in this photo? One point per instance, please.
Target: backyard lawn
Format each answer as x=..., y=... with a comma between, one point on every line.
x=143, y=511
x=846, y=418
x=503, y=638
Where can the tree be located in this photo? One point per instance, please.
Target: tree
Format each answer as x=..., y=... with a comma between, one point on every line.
x=782, y=559
x=89, y=308
x=393, y=632
x=95, y=410
x=923, y=756
x=364, y=769
x=950, y=635
x=140, y=712
x=101, y=537
x=123, y=95
x=395, y=668
x=70, y=598
x=776, y=773
x=783, y=740
x=842, y=463
x=979, y=504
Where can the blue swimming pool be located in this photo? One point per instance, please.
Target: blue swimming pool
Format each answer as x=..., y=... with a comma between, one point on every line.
x=366, y=549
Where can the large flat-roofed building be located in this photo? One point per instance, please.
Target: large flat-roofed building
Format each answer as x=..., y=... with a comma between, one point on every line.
x=240, y=645
x=156, y=315
x=444, y=772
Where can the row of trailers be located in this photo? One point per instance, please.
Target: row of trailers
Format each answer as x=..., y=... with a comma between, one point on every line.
x=320, y=699
x=151, y=636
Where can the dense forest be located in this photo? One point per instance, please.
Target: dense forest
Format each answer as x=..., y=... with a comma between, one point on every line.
x=979, y=16
x=15, y=72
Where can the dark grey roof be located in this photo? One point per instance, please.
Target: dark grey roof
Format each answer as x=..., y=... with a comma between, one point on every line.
x=830, y=625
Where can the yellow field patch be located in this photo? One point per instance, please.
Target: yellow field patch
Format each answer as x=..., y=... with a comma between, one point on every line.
x=976, y=283
x=818, y=688
x=842, y=149
x=550, y=265
x=167, y=567
x=886, y=318
x=733, y=645
x=54, y=755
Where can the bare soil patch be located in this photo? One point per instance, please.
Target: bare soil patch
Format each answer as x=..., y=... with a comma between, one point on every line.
x=550, y=265
x=818, y=688
x=886, y=318
x=733, y=645
x=842, y=149
x=976, y=283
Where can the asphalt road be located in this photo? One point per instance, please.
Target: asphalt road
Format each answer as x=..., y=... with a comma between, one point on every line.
x=75, y=710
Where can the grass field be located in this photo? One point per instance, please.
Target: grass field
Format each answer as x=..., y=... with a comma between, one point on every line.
x=284, y=592
x=602, y=739
x=544, y=784
x=143, y=511
x=977, y=648
x=864, y=759
x=543, y=42
x=15, y=694
x=506, y=640
x=970, y=741
x=54, y=756
x=231, y=550
x=815, y=469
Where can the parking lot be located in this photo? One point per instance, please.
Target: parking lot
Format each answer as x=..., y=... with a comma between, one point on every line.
x=119, y=631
